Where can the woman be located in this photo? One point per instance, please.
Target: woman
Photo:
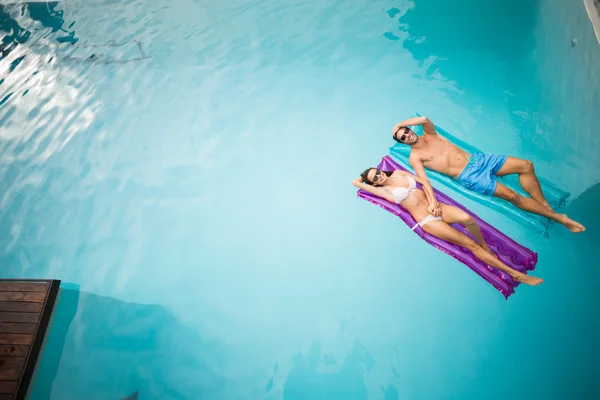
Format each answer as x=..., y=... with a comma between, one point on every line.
x=435, y=218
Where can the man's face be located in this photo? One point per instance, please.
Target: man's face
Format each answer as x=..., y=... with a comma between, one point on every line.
x=405, y=135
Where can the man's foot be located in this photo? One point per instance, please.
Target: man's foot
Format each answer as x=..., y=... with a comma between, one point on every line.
x=528, y=280
x=571, y=225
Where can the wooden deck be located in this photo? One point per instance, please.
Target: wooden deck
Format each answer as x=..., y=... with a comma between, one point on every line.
x=25, y=310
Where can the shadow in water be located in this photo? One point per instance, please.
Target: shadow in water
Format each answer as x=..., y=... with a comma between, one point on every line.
x=133, y=396
x=118, y=350
x=485, y=50
x=463, y=35
x=318, y=377
x=102, y=348
x=585, y=209
x=47, y=368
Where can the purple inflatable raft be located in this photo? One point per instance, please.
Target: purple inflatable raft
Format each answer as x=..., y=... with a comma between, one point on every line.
x=510, y=252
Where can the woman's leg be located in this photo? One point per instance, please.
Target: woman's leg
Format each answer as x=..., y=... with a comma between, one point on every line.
x=454, y=215
x=444, y=231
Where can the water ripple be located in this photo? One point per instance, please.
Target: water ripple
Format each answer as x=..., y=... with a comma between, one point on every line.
x=195, y=155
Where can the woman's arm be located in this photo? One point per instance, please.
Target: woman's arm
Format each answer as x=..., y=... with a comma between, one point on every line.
x=434, y=207
x=377, y=191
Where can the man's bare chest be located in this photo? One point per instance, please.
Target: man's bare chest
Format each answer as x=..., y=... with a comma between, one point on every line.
x=437, y=151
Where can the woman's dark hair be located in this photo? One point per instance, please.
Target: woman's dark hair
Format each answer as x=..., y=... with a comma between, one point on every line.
x=366, y=172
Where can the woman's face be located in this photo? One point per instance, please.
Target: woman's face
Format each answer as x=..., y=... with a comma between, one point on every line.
x=376, y=176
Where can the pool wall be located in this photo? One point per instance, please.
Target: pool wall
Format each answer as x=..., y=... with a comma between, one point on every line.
x=569, y=74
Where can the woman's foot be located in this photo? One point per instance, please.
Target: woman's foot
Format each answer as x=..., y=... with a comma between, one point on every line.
x=571, y=225
x=528, y=280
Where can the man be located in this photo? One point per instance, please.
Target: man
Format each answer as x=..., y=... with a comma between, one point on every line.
x=476, y=172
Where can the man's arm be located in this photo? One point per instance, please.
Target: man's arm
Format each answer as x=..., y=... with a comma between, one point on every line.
x=428, y=126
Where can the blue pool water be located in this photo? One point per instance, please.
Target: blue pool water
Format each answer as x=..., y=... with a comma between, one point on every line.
x=184, y=168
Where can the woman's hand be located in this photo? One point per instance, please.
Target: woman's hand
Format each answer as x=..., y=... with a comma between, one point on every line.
x=435, y=210
x=357, y=181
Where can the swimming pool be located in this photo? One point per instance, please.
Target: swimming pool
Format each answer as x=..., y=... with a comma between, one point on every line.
x=184, y=167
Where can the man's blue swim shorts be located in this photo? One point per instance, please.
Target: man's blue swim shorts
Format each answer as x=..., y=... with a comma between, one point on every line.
x=480, y=173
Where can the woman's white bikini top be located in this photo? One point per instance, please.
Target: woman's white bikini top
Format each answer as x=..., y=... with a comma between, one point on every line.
x=401, y=193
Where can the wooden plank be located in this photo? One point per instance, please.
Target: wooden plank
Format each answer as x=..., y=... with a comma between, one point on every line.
x=30, y=318
x=21, y=307
x=35, y=297
x=10, y=327
x=11, y=368
x=8, y=387
x=13, y=350
x=23, y=286
x=25, y=310
x=8, y=338
x=38, y=340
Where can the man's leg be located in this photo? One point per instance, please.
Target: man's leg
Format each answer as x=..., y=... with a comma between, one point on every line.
x=533, y=206
x=527, y=178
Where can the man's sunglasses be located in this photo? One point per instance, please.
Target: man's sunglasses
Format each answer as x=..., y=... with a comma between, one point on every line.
x=404, y=135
